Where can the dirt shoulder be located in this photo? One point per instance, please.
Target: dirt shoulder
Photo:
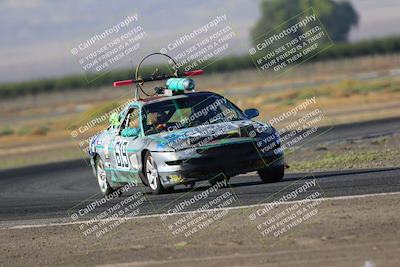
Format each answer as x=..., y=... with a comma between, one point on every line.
x=344, y=232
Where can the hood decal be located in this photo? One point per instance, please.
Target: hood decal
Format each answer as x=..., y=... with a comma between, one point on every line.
x=204, y=134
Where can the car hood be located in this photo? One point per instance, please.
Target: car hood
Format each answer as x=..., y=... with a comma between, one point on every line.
x=235, y=131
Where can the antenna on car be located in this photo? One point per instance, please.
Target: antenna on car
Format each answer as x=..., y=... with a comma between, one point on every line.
x=174, y=85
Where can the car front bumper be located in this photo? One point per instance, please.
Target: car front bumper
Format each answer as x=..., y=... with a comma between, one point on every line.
x=205, y=163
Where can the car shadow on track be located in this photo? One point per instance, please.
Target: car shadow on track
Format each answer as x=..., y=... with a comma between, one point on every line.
x=254, y=180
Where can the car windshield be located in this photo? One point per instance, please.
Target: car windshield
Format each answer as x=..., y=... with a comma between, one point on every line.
x=186, y=112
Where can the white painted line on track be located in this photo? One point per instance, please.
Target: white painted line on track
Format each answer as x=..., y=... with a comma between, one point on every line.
x=25, y=226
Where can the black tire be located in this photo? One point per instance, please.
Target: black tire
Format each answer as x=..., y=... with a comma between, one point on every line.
x=151, y=174
x=104, y=185
x=271, y=175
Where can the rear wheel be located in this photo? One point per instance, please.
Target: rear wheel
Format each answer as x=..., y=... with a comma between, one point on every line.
x=102, y=179
x=271, y=175
x=151, y=173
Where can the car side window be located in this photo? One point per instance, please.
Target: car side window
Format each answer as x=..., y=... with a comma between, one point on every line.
x=131, y=120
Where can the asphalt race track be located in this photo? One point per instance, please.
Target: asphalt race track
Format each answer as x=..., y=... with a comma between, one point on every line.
x=49, y=192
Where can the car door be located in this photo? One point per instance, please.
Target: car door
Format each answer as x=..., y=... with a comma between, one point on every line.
x=124, y=149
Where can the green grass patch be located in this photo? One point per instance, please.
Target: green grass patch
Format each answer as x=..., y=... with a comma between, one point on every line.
x=346, y=160
x=342, y=89
x=6, y=131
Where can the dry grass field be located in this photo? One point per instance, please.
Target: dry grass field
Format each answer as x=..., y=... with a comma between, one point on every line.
x=37, y=129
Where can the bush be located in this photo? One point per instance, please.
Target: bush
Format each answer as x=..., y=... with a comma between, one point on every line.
x=6, y=131
x=40, y=130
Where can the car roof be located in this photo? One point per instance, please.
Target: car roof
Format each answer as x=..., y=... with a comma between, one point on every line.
x=158, y=99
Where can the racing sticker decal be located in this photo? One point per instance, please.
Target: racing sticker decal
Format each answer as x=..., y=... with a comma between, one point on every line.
x=121, y=155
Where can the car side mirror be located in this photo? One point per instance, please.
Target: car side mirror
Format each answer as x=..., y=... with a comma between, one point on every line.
x=251, y=113
x=130, y=132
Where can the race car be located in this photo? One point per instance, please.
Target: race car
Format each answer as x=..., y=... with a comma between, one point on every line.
x=178, y=136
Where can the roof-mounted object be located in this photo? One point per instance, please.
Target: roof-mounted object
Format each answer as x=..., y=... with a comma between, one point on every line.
x=174, y=85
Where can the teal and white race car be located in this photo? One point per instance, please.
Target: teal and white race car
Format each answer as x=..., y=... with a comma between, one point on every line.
x=178, y=137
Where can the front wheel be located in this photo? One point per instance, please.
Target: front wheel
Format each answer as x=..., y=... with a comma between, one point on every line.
x=151, y=173
x=102, y=179
x=272, y=174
